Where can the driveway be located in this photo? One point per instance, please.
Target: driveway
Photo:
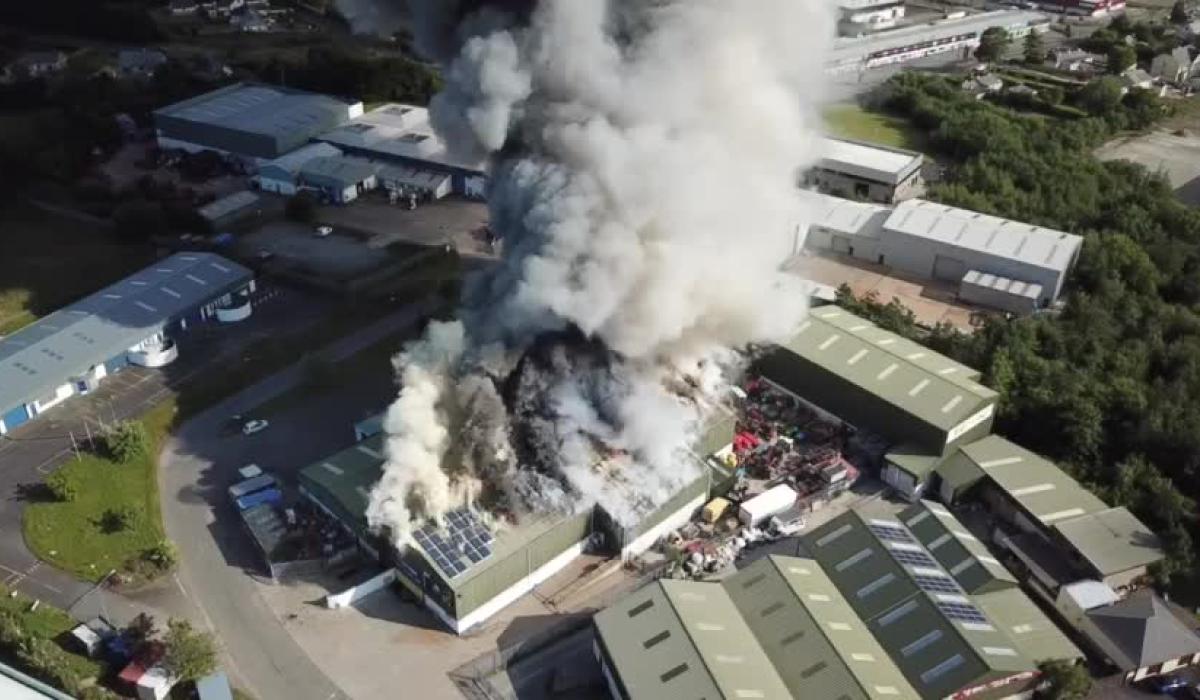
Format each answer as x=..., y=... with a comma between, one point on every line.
x=217, y=560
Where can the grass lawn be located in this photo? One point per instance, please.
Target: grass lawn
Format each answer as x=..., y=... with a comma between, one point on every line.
x=49, y=261
x=46, y=622
x=850, y=121
x=69, y=535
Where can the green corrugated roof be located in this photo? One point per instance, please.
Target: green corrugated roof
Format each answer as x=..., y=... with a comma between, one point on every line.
x=932, y=387
x=1039, y=485
x=852, y=644
x=343, y=481
x=685, y=639
x=1024, y=622
x=962, y=554
x=1112, y=541
x=944, y=653
x=914, y=460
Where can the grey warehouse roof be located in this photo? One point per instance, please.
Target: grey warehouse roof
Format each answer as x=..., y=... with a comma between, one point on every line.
x=70, y=341
x=1140, y=631
x=1032, y=245
x=869, y=161
x=844, y=216
x=337, y=171
x=287, y=117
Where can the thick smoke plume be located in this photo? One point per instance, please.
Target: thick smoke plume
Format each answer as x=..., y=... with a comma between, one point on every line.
x=643, y=157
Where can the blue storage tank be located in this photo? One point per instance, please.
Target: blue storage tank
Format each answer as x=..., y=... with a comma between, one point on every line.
x=258, y=498
x=15, y=417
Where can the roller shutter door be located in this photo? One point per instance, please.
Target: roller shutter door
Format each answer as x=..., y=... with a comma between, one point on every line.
x=948, y=269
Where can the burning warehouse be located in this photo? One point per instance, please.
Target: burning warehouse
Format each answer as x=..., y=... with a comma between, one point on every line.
x=476, y=563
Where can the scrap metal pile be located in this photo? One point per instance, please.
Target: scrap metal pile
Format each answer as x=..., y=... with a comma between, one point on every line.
x=780, y=440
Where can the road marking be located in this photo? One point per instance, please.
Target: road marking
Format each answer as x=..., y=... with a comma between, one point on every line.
x=47, y=468
x=180, y=585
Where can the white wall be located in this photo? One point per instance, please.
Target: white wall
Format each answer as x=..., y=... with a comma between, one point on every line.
x=62, y=393
x=673, y=521
x=336, y=601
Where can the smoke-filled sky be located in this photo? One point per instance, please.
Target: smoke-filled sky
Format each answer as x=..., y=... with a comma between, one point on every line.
x=643, y=157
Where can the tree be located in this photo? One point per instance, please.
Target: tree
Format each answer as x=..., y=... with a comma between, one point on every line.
x=1064, y=681
x=163, y=555
x=63, y=485
x=302, y=208
x=1120, y=58
x=1100, y=96
x=127, y=441
x=1179, y=13
x=1035, y=50
x=120, y=519
x=992, y=44
x=190, y=654
x=136, y=221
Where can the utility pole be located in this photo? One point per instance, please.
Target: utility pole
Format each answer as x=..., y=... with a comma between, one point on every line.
x=74, y=446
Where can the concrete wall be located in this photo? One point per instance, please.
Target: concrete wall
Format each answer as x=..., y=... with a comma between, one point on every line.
x=353, y=594
x=860, y=247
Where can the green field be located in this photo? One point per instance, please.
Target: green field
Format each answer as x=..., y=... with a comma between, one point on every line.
x=853, y=122
x=49, y=261
x=69, y=535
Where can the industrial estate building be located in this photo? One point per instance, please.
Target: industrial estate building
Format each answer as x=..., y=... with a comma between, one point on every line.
x=131, y=322
x=294, y=141
x=470, y=568
x=1004, y=264
x=868, y=613
x=958, y=34
x=867, y=172
x=250, y=121
x=402, y=135
x=908, y=601
x=858, y=17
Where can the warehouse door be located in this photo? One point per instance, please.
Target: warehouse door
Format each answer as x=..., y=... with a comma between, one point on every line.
x=841, y=244
x=15, y=417
x=948, y=269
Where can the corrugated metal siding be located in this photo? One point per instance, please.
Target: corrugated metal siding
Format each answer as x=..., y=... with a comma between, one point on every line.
x=501, y=575
x=221, y=137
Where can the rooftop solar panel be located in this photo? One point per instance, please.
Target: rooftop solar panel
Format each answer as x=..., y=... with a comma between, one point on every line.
x=460, y=543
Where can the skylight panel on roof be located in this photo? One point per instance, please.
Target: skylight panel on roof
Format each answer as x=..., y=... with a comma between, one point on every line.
x=962, y=612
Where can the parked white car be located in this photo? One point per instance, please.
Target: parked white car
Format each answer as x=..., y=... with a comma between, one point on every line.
x=323, y=231
x=254, y=426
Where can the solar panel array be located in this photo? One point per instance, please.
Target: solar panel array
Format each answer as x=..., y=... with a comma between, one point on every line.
x=936, y=584
x=963, y=612
x=462, y=543
x=914, y=558
x=891, y=533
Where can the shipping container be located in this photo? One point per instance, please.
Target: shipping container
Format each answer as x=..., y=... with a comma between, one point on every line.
x=766, y=504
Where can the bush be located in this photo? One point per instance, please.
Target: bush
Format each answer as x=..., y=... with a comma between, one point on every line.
x=163, y=555
x=191, y=654
x=127, y=441
x=63, y=486
x=120, y=519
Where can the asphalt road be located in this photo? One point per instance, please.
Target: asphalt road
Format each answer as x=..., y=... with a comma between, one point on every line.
x=217, y=558
x=37, y=449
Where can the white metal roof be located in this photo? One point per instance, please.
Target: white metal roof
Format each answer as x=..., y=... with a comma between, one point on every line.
x=1028, y=290
x=873, y=162
x=1033, y=245
x=843, y=215
x=396, y=130
x=1090, y=594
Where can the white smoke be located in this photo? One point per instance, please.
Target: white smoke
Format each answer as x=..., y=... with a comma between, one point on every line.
x=645, y=156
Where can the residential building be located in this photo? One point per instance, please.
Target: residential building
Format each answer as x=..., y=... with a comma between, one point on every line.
x=1082, y=8
x=1076, y=61
x=251, y=21
x=1135, y=77
x=982, y=85
x=867, y=172
x=184, y=8
x=1142, y=636
x=256, y=123
x=134, y=321
x=923, y=403
x=140, y=64
x=958, y=35
x=35, y=64
x=399, y=134
x=1172, y=67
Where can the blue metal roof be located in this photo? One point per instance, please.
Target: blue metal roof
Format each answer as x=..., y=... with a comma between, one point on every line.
x=68, y=342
